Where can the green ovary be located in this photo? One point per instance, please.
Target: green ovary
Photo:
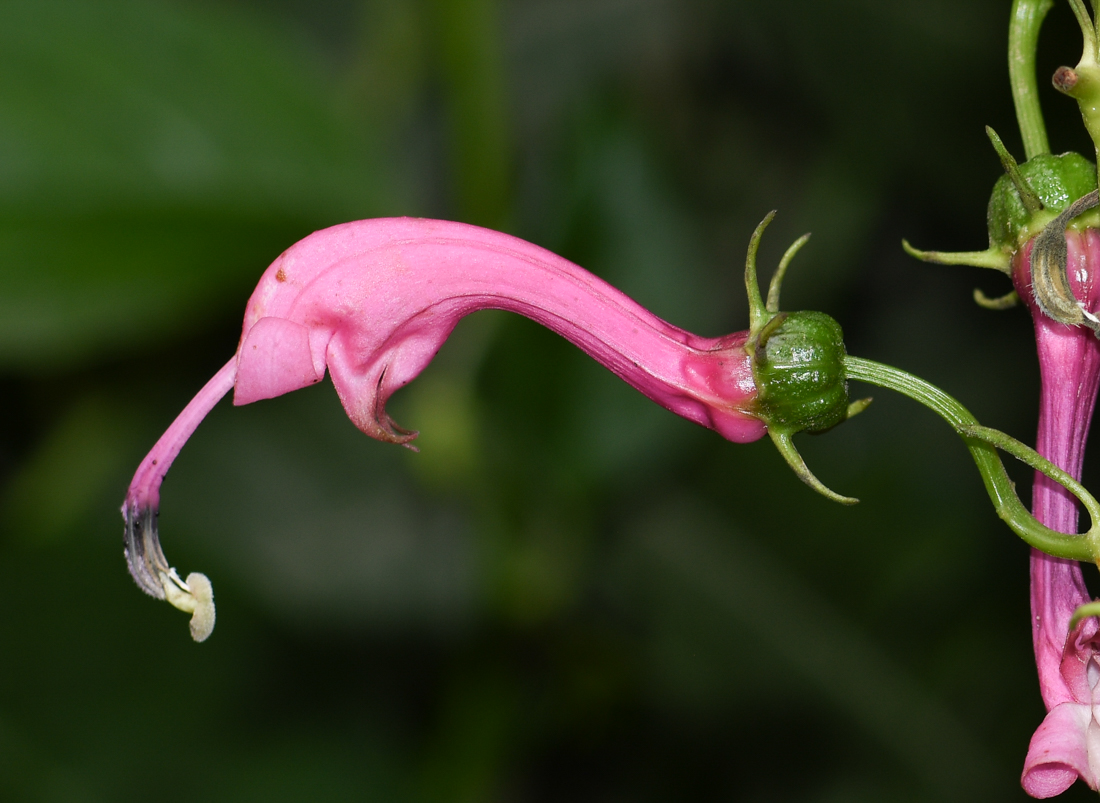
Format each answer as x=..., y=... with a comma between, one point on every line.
x=799, y=372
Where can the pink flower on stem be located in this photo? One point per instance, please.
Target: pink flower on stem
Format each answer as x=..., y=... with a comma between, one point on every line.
x=1051, y=249
x=1054, y=270
x=1067, y=744
x=372, y=301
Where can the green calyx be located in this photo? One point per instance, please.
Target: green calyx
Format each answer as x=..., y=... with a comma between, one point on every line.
x=1039, y=199
x=1035, y=201
x=798, y=366
x=801, y=369
x=797, y=357
x=1056, y=181
x=1025, y=200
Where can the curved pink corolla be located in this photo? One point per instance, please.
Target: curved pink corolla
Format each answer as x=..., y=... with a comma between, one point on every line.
x=372, y=301
x=1067, y=744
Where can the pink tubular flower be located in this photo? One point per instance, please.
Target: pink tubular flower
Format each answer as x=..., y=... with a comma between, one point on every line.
x=373, y=301
x=1067, y=744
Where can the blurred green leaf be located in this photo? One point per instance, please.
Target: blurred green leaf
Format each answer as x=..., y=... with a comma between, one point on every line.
x=152, y=157
x=72, y=468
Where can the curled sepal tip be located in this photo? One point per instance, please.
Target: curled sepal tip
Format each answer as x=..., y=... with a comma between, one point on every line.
x=1007, y=301
x=1049, y=269
x=1082, y=613
x=994, y=258
x=758, y=311
x=785, y=444
x=1028, y=197
x=858, y=406
x=776, y=284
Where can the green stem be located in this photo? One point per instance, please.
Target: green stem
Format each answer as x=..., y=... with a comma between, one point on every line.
x=983, y=444
x=1088, y=33
x=1023, y=38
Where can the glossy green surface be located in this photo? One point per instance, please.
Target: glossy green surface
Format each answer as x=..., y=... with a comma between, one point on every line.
x=799, y=371
x=1057, y=180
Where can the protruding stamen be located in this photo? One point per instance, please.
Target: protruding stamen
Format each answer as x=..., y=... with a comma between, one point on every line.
x=785, y=444
x=141, y=546
x=196, y=597
x=155, y=577
x=993, y=258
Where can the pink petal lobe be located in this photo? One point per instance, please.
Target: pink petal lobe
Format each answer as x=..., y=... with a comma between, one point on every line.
x=273, y=359
x=1059, y=752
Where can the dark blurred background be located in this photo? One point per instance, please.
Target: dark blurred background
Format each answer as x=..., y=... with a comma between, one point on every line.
x=568, y=593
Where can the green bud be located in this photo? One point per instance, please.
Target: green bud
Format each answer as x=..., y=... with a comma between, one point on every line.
x=799, y=372
x=1056, y=180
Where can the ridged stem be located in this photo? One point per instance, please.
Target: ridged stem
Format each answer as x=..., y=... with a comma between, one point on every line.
x=1023, y=38
x=983, y=443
